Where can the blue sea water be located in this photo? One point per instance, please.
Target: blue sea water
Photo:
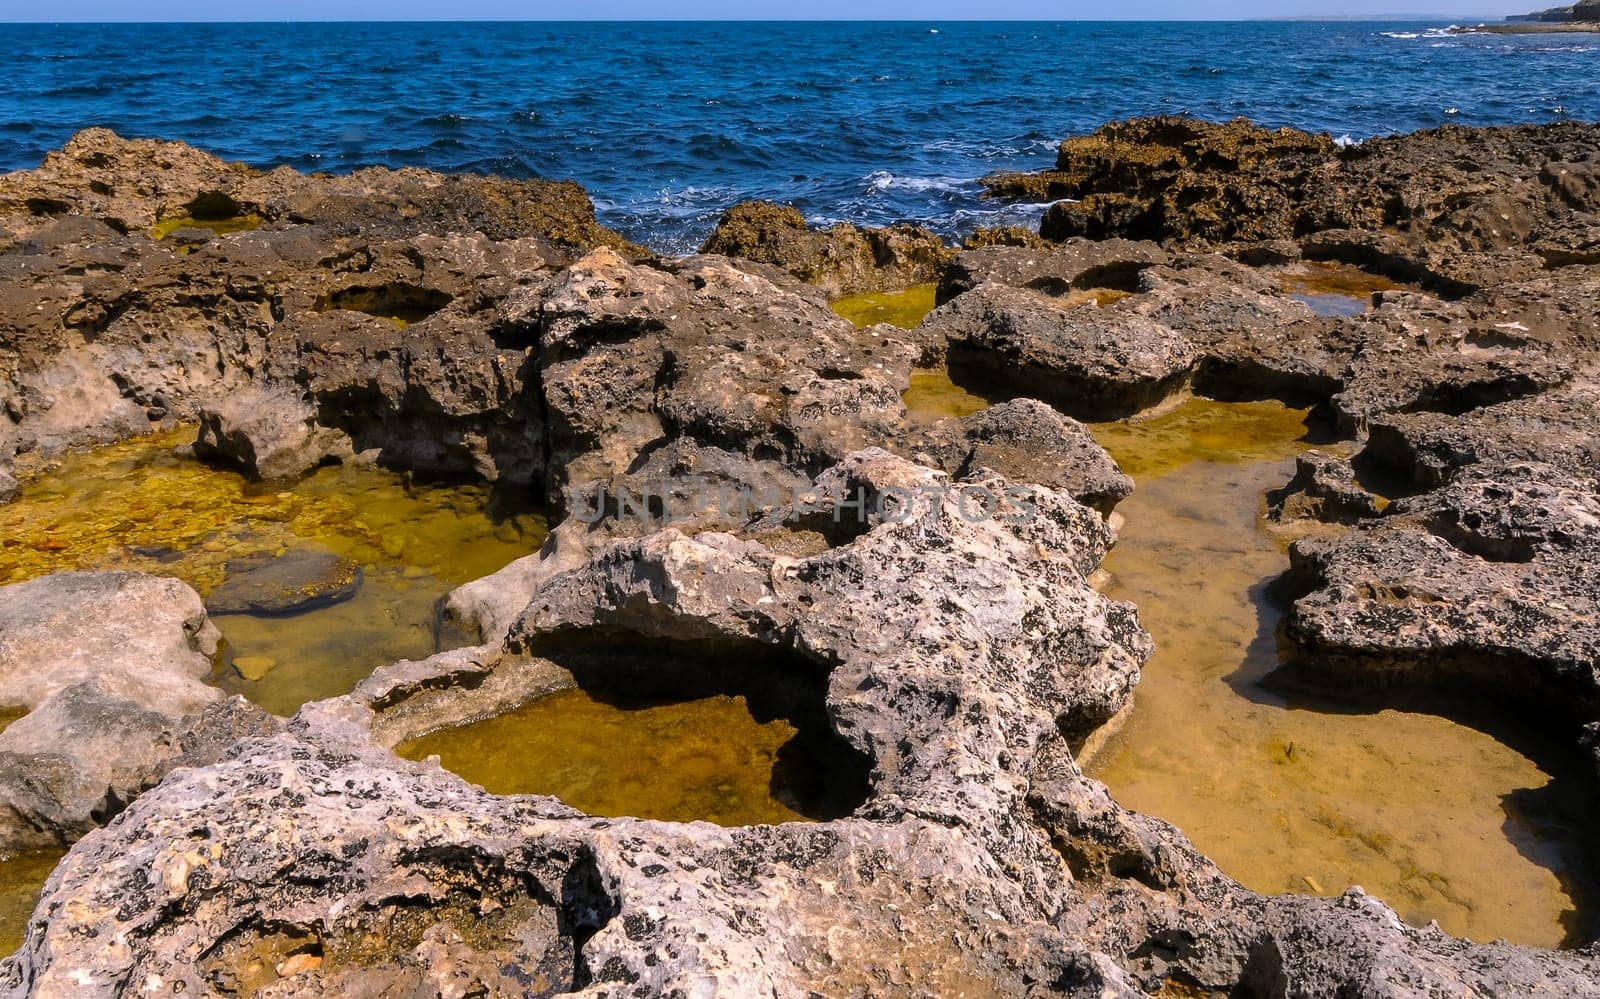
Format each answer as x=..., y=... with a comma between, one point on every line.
x=668, y=124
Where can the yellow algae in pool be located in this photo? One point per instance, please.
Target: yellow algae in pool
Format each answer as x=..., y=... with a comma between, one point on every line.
x=905, y=309
x=22, y=879
x=220, y=227
x=140, y=506
x=9, y=715
x=1439, y=820
x=1202, y=430
x=1101, y=297
x=706, y=759
x=933, y=396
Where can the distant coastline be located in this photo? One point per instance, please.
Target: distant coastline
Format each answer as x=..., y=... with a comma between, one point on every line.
x=1531, y=28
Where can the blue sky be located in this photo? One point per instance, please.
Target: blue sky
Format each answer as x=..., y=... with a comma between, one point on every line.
x=918, y=10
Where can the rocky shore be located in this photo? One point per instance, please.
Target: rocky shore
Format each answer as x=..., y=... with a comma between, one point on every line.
x=489, y=330
x=1581, y=17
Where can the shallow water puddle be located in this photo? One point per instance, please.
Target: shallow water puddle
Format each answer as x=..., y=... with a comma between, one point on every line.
x=1439, y=820
x=22, y=880
x=905, y=309
x=218, y=227
x=933, y=396
x=138, y=506
x=706, y=759
x=1332, y=289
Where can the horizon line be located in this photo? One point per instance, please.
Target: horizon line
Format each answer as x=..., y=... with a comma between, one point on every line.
x=1287, y=18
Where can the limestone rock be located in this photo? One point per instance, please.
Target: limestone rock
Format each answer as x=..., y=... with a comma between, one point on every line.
x=1324, y=488
x=1487, y=585
x=268, y=435
x=107, y=664
x=1054, y=270
x=1027, y=441
x=1089, y=363
x=842, y=259
x=301, y=579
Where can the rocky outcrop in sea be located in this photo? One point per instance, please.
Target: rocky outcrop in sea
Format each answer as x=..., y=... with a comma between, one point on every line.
x=947, y=665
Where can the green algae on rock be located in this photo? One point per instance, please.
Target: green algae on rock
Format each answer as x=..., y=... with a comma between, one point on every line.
x=706, y=759
x=1438, y=819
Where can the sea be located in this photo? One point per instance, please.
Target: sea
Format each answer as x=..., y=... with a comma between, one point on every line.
x=667, y=124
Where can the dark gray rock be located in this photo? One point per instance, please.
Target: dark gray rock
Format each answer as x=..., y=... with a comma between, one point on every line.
x=1053, y=270
x=301, y=579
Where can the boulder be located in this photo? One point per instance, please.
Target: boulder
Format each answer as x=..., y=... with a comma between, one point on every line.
x=1093, y=364
x=1324, y=488
x=1054, y=270
x=1027, y=441
x=268, y=435
x=301, y=579
x=108, y=665
x=842, y=259
x=1486, y=587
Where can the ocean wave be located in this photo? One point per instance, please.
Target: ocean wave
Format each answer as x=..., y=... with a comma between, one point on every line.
x=1446, y=32
x=665, y=144
x=883, y=180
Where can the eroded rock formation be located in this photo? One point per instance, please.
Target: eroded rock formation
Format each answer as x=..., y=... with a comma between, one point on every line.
x=108, y=665
x=950, y=663
x=841, y=259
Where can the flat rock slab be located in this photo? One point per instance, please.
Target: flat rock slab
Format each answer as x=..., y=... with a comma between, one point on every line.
x=299, y=580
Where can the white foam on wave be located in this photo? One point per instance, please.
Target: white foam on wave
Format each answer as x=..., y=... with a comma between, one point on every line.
x=883, y=180
x=1346, y=140
x=681, y=203
x=1427, y=33
x=978, y=149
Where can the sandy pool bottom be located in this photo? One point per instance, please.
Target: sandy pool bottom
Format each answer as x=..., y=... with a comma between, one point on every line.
x=1440, y=820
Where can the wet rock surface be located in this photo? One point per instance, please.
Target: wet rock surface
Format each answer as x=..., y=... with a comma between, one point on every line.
x=955, y=660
